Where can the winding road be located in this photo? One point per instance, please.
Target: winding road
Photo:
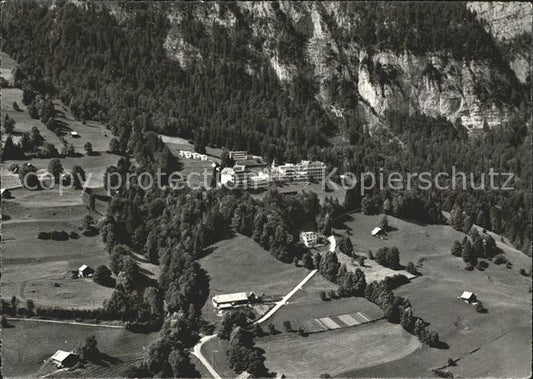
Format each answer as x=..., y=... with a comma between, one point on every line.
x=197, y=350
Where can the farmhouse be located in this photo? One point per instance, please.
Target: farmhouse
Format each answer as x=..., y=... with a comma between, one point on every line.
x=64, y=358
x=231, y=300
x=378, y=232
x=469, y=297
x=309, y=239
x=85, y=271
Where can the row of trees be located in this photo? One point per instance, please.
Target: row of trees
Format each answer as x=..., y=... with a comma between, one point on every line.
x=397, y=309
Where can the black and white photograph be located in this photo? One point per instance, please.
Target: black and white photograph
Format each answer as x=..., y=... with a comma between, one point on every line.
x=265, y=189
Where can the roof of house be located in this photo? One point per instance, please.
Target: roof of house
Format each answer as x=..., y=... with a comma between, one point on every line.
x=245, y=375
x=332, y=243
x=467, y=295
x=84, y=267
x=74, y=133
x=61, y=355
x=376, y=230
x=231, y=297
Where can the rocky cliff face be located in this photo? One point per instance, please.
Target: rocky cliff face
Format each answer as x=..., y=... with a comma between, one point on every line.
x=349, y=78
x=510, y=23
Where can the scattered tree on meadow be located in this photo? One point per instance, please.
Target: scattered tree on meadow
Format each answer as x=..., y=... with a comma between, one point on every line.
x=88, y=148
x=55, y=168
x=78, y=177
x=89, y=351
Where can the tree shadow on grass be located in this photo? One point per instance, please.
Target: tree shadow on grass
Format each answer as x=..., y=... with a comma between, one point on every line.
x=105, y=360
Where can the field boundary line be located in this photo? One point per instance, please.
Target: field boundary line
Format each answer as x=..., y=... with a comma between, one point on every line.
x=66, y=322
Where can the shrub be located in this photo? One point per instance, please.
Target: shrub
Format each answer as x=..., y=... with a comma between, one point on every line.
x=362, y=261
x=272, y=329
x=370, y=255
x=332, y=294
x=43, y=235
x=287, y=325
x=257, y=331
x=509, y=265
x=411, y=268
x=59, y=235
x=3, y=322
x=469, y=267
x=323, y=296
x=500, y=259
x=480, y=308
x=302, y=332
x=482, y=265
x=74, y=235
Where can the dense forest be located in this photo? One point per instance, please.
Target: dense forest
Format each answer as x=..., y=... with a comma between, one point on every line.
x=119, y=72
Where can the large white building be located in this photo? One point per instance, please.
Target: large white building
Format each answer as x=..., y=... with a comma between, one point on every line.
x=309, y=239
x=303, y=171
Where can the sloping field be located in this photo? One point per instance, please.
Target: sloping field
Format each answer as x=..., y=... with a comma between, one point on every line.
x=336, y=351
x=28, y=343
x=40, y=269
x=240, y=264
x=24, y=123
x=373, y=270
x=302, y=311
x=495, y=344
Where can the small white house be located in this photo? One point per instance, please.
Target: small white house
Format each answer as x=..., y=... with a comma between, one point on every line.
x=74, y=134
x=309, y=239
x=85, y=271
x=468, y=297
x=63, y=358
x=378, y=232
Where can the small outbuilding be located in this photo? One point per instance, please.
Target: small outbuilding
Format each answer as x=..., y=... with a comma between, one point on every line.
x=378, y=232
x=64, y=358
x=469, y=297
x=245, y=375
x=74, y=134
x=85, y=271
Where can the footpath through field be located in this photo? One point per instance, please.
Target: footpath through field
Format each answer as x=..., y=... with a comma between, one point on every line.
x=66, y=322
x=197, y=350
x=283, y=301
